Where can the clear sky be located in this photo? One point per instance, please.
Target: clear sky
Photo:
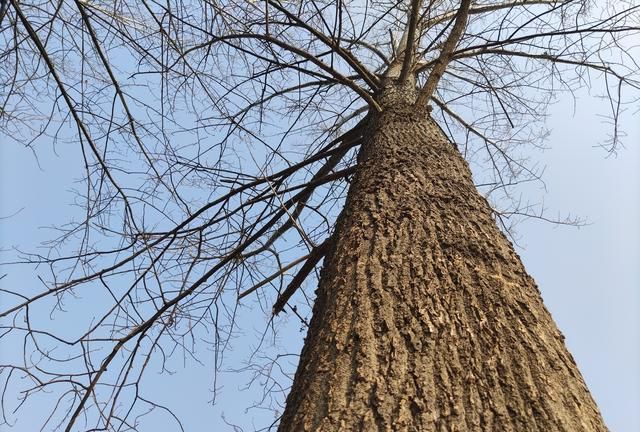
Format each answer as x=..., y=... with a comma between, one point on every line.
x=589, y=277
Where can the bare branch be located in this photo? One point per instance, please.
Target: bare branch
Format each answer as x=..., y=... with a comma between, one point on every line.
x=446, y=53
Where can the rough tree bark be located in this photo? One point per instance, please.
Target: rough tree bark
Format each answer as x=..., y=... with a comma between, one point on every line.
x=425, y=319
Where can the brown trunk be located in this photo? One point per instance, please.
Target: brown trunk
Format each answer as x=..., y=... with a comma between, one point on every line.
x=425, y=319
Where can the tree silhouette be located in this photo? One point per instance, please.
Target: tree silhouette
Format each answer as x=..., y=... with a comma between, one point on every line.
x=220, y=140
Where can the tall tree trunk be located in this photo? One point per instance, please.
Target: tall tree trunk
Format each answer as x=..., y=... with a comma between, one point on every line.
x=425, y=319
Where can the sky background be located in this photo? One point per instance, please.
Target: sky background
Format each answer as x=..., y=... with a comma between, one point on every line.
x=589, y=277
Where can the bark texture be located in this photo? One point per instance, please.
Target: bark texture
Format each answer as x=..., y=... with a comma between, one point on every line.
x=425, y=319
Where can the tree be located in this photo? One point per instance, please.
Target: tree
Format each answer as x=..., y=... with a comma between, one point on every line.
x=424, y=317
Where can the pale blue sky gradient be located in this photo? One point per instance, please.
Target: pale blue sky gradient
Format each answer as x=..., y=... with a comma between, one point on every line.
x=589, y=277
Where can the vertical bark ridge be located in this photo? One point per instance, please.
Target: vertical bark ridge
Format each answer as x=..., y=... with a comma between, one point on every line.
x=425, y=319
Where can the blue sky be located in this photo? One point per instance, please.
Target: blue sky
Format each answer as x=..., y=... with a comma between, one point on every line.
x=589, y=277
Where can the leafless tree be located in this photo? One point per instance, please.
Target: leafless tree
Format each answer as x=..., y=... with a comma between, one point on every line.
x=219, y=140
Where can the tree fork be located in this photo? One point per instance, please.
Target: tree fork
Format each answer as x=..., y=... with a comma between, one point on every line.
x=425, y=319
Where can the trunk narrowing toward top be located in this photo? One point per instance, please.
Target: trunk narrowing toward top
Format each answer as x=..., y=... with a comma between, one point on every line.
x=425, y=319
